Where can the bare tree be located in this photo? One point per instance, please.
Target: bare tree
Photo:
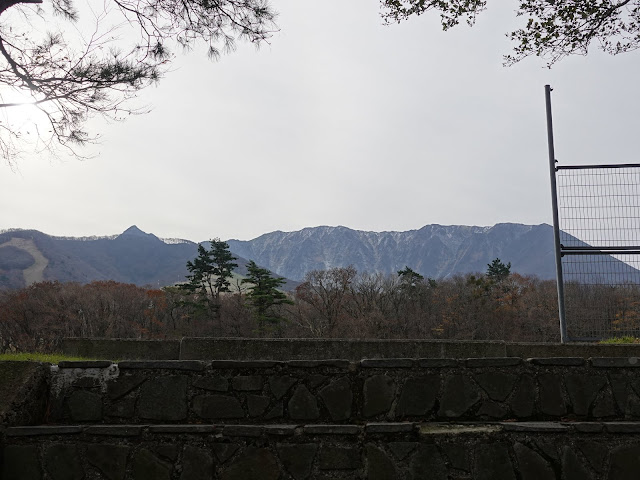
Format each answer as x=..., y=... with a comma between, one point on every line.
x=72, y=74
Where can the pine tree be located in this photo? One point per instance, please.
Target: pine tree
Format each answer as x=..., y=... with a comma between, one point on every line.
x=264, y=296
x=209, y=276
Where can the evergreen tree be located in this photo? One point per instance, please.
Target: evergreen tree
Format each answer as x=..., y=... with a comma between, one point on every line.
x=498, y=271
x=209, y=275
x=264, y=295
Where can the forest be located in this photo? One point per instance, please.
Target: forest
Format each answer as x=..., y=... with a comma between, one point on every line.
x=333, y=303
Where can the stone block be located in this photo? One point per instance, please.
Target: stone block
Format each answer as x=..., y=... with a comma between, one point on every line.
x=522, y=401
x=582, y=390
x=437, y=362
x=21, y=462
x=572, y=467
x=43, y=430
x=217, y=406
x=386, y=363
x=458, y=456
x=215, y=383
x=164, y=398
x=558, y=361
x=493, y=362
x=542, y=427
x=257, y=404
x=280, y=385
x=333, y=363
x=418, y=396
x=146, y=466
x=184, y=365
x=110, y=460
x=186, y=428
x=314, y=381
x=494, y=410
x=390, y=427
x=615, y=362
x=243, y=430
x=427, y=462
x=595, y=452
x=492, y=462
x=551, y=399
x=401, y=450
x=303, y=405
x=587, y=427
x=124, y=408
x=114, y=430
x=332, y=429
x=224, y=451
x=62, y=462
x=120, y=386
x=85, y=364
x=276, y=412
x=281, y=430
x=379, y=392
x=378, y=465
x=253, y=464
x=197, y=464
x=85, y=406
x=460, y=394
x=339, y=458
x=243, y=364
x=622, y=427
x=247, y=383
x=624, y=461
x=604, y=406
x=297, y=458
x=338, y=398
x=498, y=385
x=532, y=465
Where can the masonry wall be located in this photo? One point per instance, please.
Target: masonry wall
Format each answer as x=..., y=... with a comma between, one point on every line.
x=343, y=392
x=374, y=451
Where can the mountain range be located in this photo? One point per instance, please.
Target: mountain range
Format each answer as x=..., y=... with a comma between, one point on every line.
x=435, y=251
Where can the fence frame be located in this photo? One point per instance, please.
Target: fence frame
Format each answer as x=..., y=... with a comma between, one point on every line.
x=560, y=249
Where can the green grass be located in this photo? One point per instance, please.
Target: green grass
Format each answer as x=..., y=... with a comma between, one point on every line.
x=38, y=357
x=621, y=340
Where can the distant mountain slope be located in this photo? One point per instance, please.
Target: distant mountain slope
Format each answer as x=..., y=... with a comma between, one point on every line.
x=131, y=257
x=435, y=251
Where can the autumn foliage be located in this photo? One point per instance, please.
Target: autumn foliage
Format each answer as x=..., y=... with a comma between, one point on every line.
x=334, y=303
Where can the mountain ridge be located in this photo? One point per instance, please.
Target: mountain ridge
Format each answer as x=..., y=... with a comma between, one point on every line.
x=435, y=251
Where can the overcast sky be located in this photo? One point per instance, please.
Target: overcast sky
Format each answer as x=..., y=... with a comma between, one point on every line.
x=339, y=121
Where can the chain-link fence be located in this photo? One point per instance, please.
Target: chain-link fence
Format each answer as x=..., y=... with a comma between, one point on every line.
x=599, y=230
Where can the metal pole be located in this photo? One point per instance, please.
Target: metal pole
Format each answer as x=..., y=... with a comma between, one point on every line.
x=556, y=225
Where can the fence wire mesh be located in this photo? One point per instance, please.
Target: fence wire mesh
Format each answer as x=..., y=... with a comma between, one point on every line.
x=599, y=220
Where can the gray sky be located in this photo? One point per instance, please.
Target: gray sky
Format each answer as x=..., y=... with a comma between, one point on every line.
x=339, y=121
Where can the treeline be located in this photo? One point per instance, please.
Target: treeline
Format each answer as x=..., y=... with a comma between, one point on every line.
x=338, y=302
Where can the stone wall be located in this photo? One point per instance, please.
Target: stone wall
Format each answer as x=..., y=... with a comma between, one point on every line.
x=339, y=391
x=489, y=418
x=509, y=451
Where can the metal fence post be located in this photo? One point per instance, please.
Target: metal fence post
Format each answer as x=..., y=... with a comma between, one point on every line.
x=556, y=225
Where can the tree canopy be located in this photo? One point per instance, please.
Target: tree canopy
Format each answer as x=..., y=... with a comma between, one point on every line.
x=71, y=72
x=552, y=29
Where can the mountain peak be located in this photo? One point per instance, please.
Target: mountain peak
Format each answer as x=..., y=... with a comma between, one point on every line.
x=134, y=232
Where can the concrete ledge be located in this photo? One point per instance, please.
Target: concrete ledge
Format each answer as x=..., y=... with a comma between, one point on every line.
x=121, y=349
x=309, y=349
x=321, y=349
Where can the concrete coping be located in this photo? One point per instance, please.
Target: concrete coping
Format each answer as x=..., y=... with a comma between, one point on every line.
x=377, y=428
